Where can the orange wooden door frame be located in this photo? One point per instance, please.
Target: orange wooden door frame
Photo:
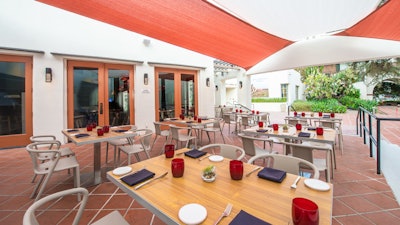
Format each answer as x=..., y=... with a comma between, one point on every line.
x=21, y=139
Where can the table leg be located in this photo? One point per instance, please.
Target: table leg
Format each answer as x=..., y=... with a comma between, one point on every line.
x=97, y=163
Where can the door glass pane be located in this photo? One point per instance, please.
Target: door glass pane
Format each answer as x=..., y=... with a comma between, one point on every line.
x=12, y=98
x=166, y=95
x=86, y=96
x=118, y=96
x=187, y=94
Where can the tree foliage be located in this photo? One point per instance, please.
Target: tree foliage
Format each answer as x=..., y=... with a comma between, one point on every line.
x=376, y=70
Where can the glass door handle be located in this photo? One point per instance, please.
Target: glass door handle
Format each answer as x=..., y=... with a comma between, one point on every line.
x=101, y=108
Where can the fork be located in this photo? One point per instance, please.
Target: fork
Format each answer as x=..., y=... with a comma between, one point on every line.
x=294, y=185
x=226, y=213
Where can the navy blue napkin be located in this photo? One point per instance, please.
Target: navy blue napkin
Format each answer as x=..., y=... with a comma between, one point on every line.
x=326, y=116
x=173, y=119
x=262, y=130
x=191, y=121
x=81, y=135
x=72, y=130
x=194, y=153
x=272, y=174
x=311, y=128
x=138, y=177
x=304, y=134
x=244, y=218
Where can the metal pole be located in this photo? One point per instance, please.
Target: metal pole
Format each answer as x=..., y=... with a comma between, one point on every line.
x=378, y=146
x=370, y=135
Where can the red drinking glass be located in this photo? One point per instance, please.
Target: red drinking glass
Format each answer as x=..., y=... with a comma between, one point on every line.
x=89, y=127
x=260, y=124
x=100, y=132
x=275, y=126
x=258, y=112
x=320, y=114
x=240, y=111
x=237, y=110
x=298, y=126
x=320, y=131
x=169, y=151
x=304, y=212
x=199, y=119
x=295, y=113
x=177, y=167
x=106, y=129
x=194, y=117
x=303, y=114
x=332, y=115
x=252, y=111
x=236, y=169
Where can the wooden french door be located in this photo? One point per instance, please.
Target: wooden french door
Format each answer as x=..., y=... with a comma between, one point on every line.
x=15, y=100
x=176, y=92
x=99, y=93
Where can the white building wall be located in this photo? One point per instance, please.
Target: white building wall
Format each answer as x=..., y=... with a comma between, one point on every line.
x=27, y=24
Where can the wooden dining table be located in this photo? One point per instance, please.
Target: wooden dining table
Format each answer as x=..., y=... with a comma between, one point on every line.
x=264, y=199
x=93, y=138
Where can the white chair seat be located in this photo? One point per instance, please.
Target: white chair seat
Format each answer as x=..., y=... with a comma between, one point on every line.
x=112, y=218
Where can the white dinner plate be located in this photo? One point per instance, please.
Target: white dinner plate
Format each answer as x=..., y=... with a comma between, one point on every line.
x=192, y=214
x=216, y=158
x=316, y=184
x=122, y=170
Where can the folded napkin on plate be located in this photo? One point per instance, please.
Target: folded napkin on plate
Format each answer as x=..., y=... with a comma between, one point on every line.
x=262, y=130
x=72, y=130
x=138, y=177
x=311, y=128
x=245, y=218
x=81, y=135
x=120, y=131
x=304, y=134
x=194, y=153
x=272, y=174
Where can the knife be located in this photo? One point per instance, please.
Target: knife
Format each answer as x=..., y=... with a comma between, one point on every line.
x=149, y=181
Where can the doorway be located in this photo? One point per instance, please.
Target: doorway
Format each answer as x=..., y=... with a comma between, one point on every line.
x=177, y=93
x=15, y=100
x=99, y=93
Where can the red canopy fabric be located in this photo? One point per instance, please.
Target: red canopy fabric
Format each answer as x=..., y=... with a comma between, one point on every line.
x=199, y=26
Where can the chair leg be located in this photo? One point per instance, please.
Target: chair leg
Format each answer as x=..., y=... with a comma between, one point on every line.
x=107, y=152
x=222, y=135
x=37, y=186
x=33, y=178
x=46, y=180
x=77, y=181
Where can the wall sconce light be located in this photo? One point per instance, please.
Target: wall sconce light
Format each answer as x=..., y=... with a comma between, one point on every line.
x=49, y=75
x=146, y=79
x=208, y=82
x=240, y=84
x=216, y=87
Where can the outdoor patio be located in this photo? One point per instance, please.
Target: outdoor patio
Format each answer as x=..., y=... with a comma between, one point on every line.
x=360, y=195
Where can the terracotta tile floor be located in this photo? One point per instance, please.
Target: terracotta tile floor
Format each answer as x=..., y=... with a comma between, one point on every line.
x=360, y=195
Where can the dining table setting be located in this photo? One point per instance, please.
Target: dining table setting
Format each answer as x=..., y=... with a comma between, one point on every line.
x=192, y=187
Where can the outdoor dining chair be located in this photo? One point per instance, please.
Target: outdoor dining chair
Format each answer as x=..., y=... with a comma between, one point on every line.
x=215, y=128
x=54, y=164
x=178, y=136
x=290, y=164
x=250, y=147
x=118, y=142
x=337, y=126
x=45, y=203
x=142, y=144
x=225, y=150
x=160, y=133
x=229, y=119
x=65, y=152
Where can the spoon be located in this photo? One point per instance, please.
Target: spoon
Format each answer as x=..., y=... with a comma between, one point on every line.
x=294, y=185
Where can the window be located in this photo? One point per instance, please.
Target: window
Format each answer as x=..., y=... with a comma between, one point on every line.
x=297, y=92
x=284, y=90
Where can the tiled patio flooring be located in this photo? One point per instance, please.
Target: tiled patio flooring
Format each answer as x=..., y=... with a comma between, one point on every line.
x=360, y=195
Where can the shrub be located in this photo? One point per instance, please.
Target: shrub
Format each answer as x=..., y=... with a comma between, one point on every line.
x=300, y=106
x=325, y=105
x=354, y=103
x=268, y=100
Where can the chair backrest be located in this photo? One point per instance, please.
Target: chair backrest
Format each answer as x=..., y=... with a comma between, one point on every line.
x=145, y=139
x=227, y=118
x=296, y=121
x=38, y=154
x=30, y=218
x=287, y=163
x=303, y=151
x=246, y=120
x=157, y=127
x=226, y=150
x=326, y=123
x=217, y=123
x=248, y=144
x=174, y=132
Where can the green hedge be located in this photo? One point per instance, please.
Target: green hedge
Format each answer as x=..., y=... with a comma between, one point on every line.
x=354, y=103
x=268, y=100
x=325, y=105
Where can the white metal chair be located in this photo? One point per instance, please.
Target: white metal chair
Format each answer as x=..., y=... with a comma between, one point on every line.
x=306, y=152
x=65, y=152
x=247, y=121
x=114, y=217
x=216, y=127
x=178, y=136
x=229, y=119
x=287, y=163
x=337, y=126
x=250, y=147
x=159, y=132
x=143, y=144
x=226, y=150
x=118, y=142
x=54, y=164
